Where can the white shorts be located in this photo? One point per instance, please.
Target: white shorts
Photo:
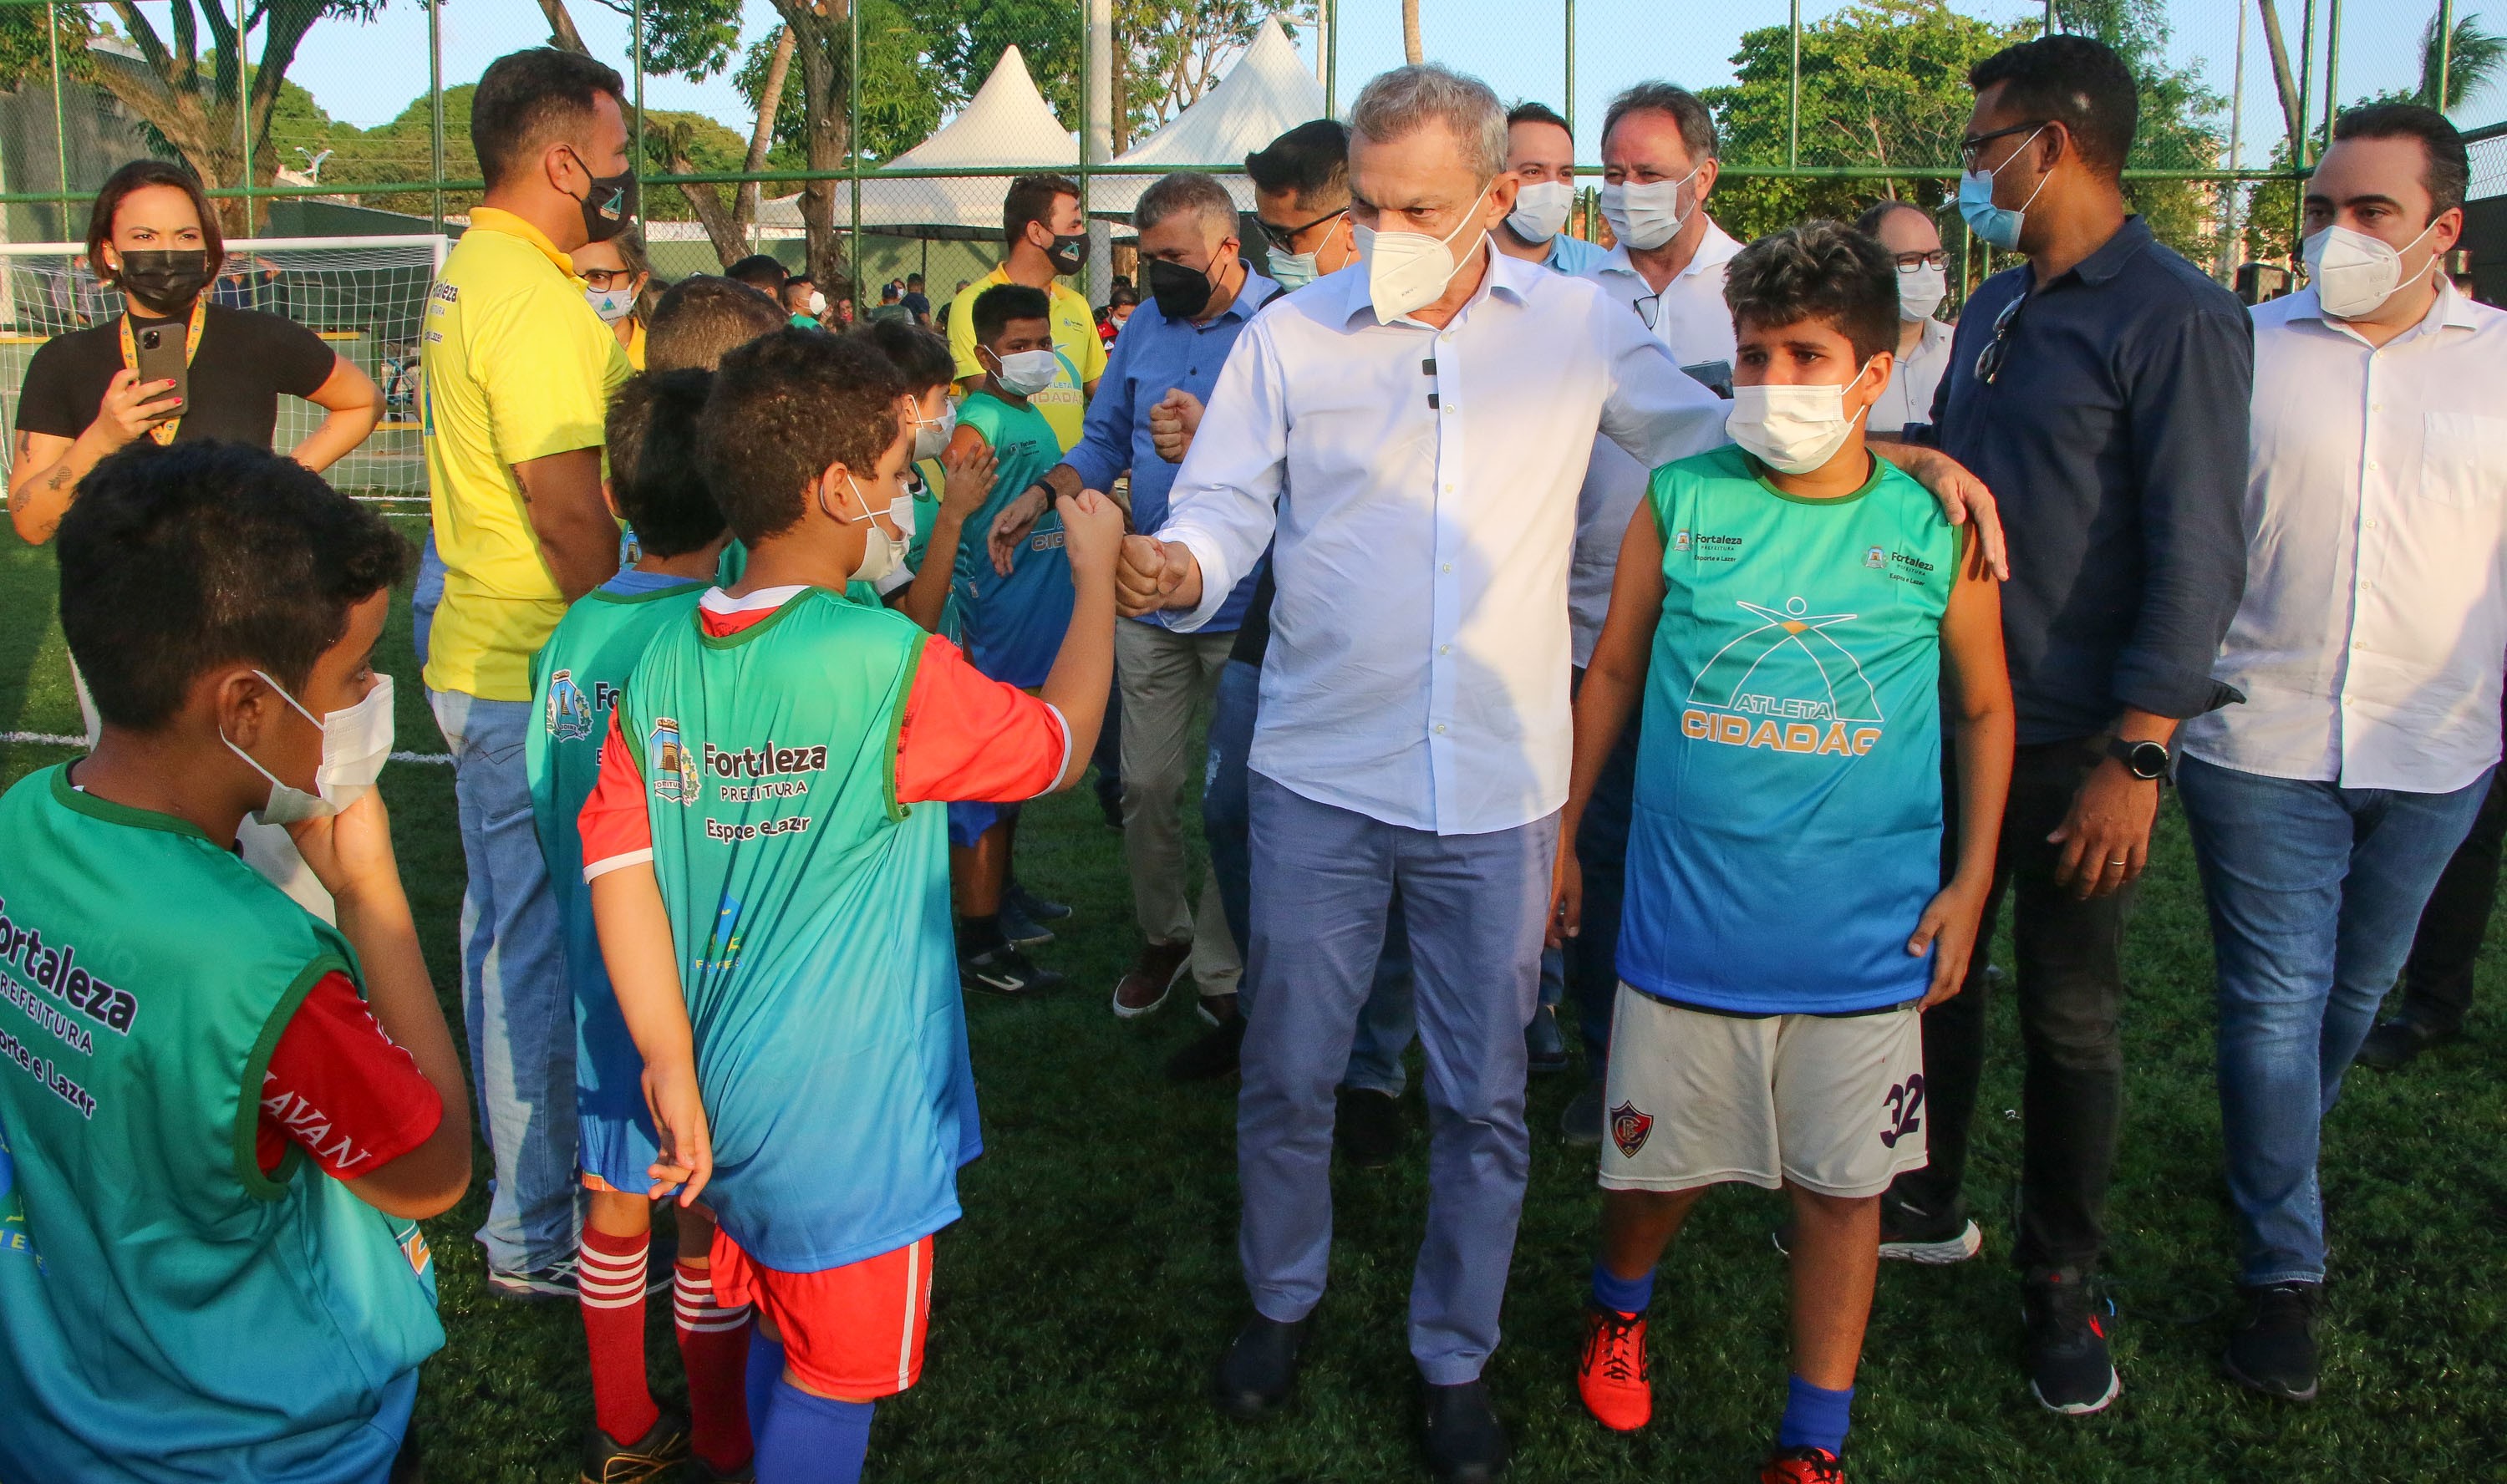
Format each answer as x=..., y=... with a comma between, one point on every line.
x=1831, y=1103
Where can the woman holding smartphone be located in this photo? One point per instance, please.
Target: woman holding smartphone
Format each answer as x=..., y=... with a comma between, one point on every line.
x=212, y=371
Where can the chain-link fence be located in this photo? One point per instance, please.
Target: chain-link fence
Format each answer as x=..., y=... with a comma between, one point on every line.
x=873, y=138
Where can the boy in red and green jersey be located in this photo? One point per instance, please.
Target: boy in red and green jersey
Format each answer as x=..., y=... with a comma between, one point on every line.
x=180, y=1296
x=767, y=857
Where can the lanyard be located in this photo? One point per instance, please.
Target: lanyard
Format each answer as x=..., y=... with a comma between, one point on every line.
x=163, y=432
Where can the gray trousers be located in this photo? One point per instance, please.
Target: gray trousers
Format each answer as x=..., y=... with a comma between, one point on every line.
x=1323, y=880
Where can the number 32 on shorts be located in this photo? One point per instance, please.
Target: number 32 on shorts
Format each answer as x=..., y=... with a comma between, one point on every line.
x=1905, y=1104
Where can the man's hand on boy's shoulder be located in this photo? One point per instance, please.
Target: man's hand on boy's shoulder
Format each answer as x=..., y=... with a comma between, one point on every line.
x=1092, y=526
x=1964, y=497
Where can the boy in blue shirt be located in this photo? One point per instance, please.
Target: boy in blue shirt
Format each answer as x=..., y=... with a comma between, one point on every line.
x=1785, y=610
x=576, y=678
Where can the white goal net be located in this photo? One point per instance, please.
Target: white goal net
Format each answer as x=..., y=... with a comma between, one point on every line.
x=366, y=296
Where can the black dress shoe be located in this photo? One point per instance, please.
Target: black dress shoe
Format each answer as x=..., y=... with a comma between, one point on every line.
x=1465, y=1442
x=1367, y=1126
x=1258, y=1368
x=1216, y=1054
x=2397, y=1043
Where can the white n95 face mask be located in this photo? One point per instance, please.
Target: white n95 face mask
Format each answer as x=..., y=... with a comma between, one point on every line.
x=882, y=553
x=932, y=434
x=818, y=304
x=1921, y=292
x=2352, y=273
x=1541, y=210
x=1024, y=373
x=1405, y=270
x=1794, y=429
x=357, y=741
x=1648, y=215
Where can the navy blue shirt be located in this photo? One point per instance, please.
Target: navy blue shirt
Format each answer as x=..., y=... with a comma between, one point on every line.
x=1153, y=355
x=2114, y=439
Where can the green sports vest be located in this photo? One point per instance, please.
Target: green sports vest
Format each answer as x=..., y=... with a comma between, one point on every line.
x=165, y=1311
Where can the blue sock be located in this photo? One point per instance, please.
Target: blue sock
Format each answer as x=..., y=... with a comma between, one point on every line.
x=765, y=1369
x=1627, y=1295
x=812, y=1439
x=1814, y=1417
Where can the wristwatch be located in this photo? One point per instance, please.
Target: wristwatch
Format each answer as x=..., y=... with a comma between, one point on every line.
x=2145, y=760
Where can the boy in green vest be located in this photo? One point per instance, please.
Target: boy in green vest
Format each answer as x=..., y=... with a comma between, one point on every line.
x=655, y=485
x=768, y=878
x=1787, y=610
x=182, y=1296
x=1012, y=620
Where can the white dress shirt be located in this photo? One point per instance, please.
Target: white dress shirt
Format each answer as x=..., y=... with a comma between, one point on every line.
x=1418, y=663
x=1908, y=396
x=2374, y=628
x=1696, y=327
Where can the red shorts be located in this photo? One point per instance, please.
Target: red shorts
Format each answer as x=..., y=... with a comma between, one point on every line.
x=853, y=1332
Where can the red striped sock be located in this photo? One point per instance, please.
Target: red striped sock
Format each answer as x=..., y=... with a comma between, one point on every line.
x=713, y=1346
x=612, y=1282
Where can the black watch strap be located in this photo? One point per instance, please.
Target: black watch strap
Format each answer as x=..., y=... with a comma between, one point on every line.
x=2145, y=760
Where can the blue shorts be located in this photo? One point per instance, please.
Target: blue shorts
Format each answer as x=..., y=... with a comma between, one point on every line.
x=968, y=822
x=614, y=1126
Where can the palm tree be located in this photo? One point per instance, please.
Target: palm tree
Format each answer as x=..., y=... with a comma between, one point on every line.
x=1410, y=48
x=2475, y=57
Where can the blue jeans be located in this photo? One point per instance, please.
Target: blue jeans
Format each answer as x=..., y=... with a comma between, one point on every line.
x=2314, y=892
x=1323, y=883
x=516, y=1008
x=425, y=597
x=1386, y=1025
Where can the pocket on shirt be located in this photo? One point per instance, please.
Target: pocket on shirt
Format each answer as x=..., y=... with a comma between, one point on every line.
x=2463, y=459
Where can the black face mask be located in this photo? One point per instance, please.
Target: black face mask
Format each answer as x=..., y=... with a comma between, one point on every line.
x=1179, y=292
x=164, y=279
x=610, y=208
x=1067, y=251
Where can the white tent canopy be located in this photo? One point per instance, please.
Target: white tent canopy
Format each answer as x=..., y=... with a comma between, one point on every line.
x=1006, y=125
x=1269, y=92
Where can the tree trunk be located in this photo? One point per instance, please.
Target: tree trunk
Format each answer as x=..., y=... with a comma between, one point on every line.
x=162, y=88
x=761, y=139
x=561, y=32
x=821, y=34
x=2282, y=77
x=1410, y=48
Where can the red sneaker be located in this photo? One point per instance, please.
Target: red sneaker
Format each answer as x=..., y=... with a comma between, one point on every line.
x=1611, y=1376
x=1802, y=1465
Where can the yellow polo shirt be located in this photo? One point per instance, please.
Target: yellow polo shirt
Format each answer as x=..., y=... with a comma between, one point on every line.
x=517, y=367
x=1065, y=404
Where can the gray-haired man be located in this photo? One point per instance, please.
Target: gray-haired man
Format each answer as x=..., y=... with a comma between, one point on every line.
x=1200, y=294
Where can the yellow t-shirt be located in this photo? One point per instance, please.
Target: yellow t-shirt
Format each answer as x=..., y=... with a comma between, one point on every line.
x=1075, y=341
x=517, y=368
x=636, y=345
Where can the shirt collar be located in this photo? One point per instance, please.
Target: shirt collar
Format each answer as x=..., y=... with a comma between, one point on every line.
x=2450, y=311
x=2113, y=254
x=497, y=219
x=1250, y=295
x=1714, y=250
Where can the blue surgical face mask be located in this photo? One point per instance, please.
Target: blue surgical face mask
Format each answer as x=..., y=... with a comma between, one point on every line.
x=1998, y=226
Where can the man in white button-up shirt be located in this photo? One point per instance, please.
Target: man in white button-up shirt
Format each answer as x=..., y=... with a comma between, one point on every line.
x=1414, y=438
x=2369, y=646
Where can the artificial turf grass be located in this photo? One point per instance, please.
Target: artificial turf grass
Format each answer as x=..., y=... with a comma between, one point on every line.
x=1079, y=1304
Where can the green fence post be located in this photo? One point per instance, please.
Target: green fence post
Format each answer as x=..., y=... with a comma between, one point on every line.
x=243, y=113
x=2445, y=52
x=1793, y=94
x=60, y=120
x=636, y=43
x=435, y=105
x=1567, y=103
x=1332, y=60
x=854, y=149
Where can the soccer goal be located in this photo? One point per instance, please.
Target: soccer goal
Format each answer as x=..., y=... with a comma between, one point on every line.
x=366, y=296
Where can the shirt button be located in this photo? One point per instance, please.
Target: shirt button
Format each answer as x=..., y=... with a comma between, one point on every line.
x=2372, y=464
x=1446, y=567
x=2372, y=525
x=1440, y=729
x=1444, y=649
x=1449, y=489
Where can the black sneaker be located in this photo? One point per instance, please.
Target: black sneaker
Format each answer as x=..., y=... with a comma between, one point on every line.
x=1021, y=930
x=1465, y=1442
x=2398, y=1042
x=1367, y=1126
x=1034, y=908
x=1580, y=1125
x=2069, y=1370
x=659, y=1450
x=2275, y=1353
x=1214, y=1054
x=1004, y=970
x=540, y=1286
x=1258, y=1368
x=1545, y=1048
x=1910, y=1234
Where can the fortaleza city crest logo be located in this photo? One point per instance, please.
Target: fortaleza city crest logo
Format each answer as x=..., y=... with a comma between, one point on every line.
x=1789, y=684
x=1629, y=1128
x=570, y=709
x=670, y=764
x=1875, y=557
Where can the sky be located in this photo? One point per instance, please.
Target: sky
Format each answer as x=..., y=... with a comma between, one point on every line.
x=367, y=74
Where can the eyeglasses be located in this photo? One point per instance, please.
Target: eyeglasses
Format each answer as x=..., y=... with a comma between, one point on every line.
x=1988, y=361
x=1648, y=308
x=1969, y=146
x=604, y=280
x=1283, y=239
x=1917, y=262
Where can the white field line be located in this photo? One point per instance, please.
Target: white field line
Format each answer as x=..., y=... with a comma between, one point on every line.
x=56, y=740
